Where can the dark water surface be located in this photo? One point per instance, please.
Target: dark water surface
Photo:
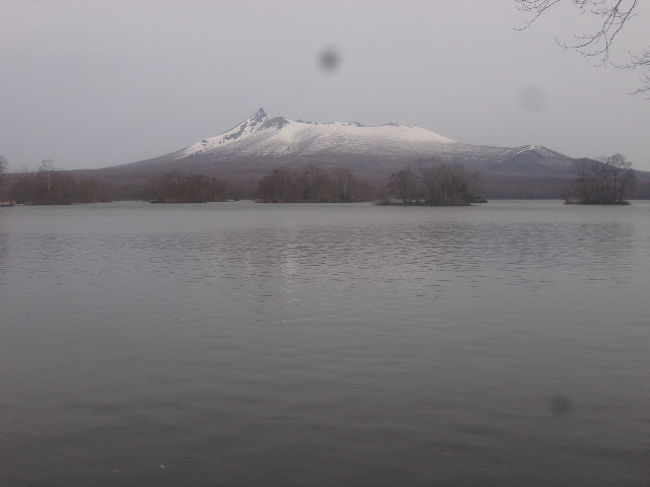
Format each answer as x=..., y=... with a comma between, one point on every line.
x=235, y=344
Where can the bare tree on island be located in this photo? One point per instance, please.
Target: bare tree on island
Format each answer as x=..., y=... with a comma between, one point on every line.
x=603, y=183
x=611, y=17
x=312, y=185
x=279, y=186
x=404, y=185
x=446, y=184
x=437, y=183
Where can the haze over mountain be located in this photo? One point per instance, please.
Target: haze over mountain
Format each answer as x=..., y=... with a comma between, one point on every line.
x=72, y=86
x=263, y=142
x=268, y=140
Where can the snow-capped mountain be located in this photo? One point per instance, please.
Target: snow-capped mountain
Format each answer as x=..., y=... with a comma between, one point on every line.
x=263, y=135
x=262, y=142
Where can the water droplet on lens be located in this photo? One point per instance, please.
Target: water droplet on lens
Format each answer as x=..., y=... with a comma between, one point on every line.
x=329, y=59
x=532, y=99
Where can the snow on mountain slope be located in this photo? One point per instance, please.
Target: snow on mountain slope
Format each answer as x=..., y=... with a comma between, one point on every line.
x=262, y=135
x=260, y=142
x=248, y=151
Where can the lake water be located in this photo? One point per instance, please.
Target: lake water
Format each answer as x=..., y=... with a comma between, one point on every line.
x=241, y=344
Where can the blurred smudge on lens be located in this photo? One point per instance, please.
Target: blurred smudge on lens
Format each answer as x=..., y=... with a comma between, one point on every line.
x=532, y=99
x=329, y=59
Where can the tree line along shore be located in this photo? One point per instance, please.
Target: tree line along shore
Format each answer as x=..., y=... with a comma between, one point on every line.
x=432, y=182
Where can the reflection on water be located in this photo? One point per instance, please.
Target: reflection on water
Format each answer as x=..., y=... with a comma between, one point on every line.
x=242, y=344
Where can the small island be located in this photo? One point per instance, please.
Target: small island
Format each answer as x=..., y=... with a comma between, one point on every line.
x=312, y=185
x=606, y=182
x=435, y=183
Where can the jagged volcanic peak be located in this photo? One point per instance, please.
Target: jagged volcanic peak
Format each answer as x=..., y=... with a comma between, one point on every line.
x=262, y=134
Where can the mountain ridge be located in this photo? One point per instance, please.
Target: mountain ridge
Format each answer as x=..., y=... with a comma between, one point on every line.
x=280, y=139
x=260, y=143
x=262, y=134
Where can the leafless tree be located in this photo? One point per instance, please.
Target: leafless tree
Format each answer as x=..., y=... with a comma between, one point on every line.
x=611, y=18
x=446, y=184
x=404, y=185
x=47, y=168
x=434, y=182
x=187, y=188
x=278, y=186
x=57, y=188
x=343, y=182
x=3, y=168
x=603, y=183
x=312, y=185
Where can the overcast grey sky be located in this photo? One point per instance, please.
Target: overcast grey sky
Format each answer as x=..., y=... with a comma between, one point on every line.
x=96, y=83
